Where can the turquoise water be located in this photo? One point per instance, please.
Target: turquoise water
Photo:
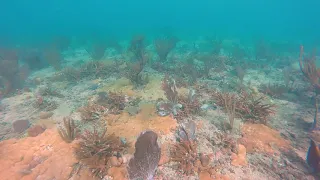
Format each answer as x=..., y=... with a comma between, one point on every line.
x=285, y=20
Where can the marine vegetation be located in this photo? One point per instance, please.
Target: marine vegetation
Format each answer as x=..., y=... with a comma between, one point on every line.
x=312, y=73
x=12, y=74
x=185, y=152
x=97, y=150
x=135, y=68
x=246, y=106
x=68, y=131
x=164, y=45
x=92, y=112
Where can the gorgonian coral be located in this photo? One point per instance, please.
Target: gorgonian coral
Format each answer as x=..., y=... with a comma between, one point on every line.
x=146, y=157
x=96, y=150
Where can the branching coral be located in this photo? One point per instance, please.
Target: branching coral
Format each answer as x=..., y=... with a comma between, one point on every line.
x=96, y=150
x=68, y=132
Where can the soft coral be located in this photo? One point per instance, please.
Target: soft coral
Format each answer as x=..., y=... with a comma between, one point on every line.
x=312, y=73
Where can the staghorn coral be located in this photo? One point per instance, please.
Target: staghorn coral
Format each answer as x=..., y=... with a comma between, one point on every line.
x=96, y=150
x=146, y=157
x=68, y=132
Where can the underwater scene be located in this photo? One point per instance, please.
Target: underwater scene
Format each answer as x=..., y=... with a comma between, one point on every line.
x=159, y=90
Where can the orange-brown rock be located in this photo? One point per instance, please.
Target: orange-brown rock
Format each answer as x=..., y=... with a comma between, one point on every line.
x=205, y=175
x=130, y=127
x=118, y=173
x=261, y=138
x=165, y=158
x=240, y=158
x=35, y=130
x=46, y=156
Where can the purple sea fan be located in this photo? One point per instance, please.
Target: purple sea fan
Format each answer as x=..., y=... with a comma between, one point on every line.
x=146, y=157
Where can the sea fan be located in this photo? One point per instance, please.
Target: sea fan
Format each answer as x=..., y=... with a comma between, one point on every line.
x=146, y=157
